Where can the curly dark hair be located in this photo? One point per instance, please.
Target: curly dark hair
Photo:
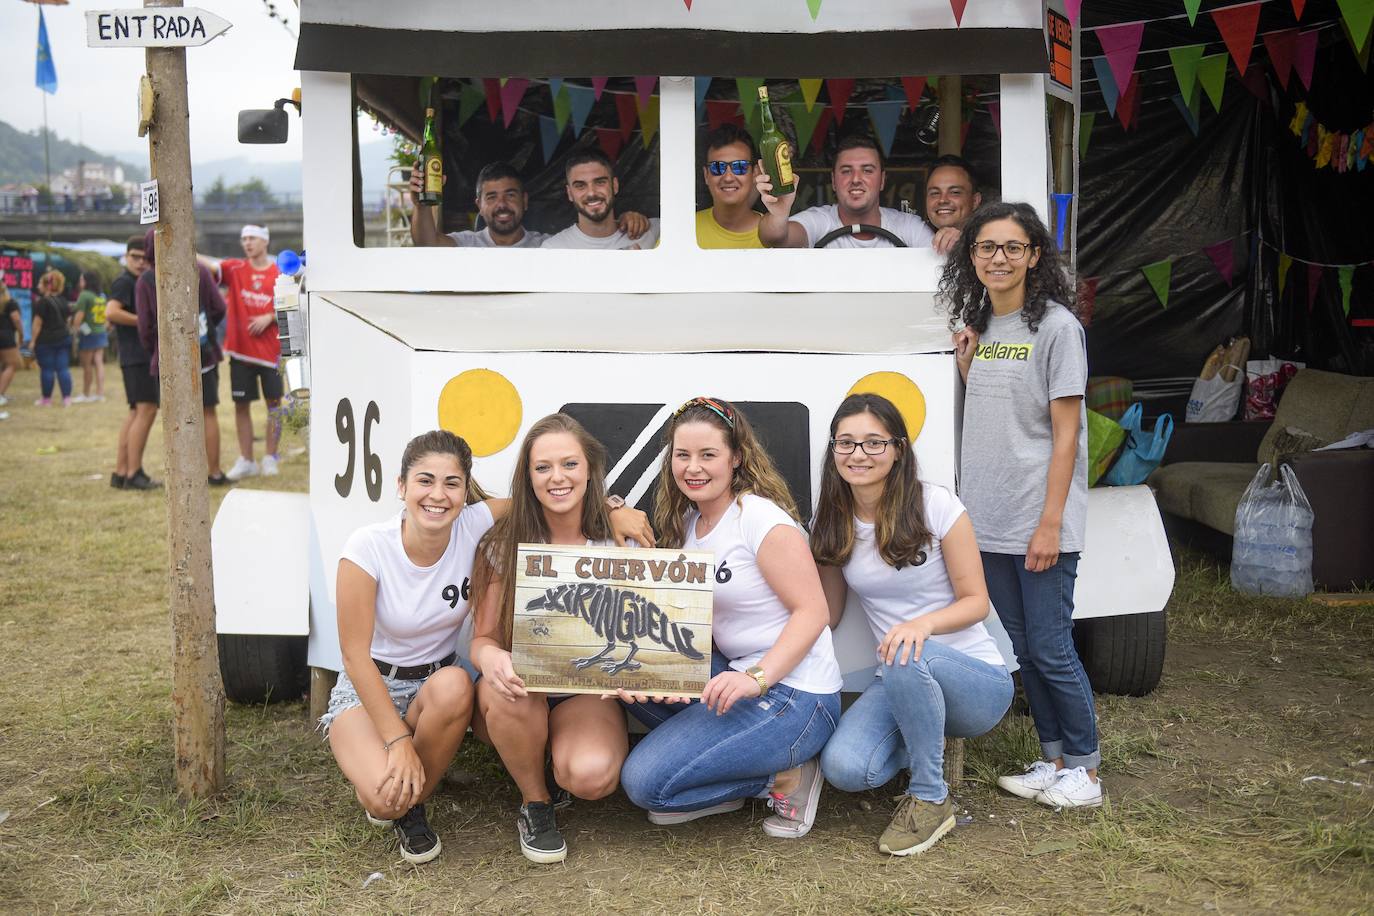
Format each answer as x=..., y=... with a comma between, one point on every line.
x=961, y=292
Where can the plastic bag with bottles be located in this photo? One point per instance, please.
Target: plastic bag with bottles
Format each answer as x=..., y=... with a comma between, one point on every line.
x=1272, y=550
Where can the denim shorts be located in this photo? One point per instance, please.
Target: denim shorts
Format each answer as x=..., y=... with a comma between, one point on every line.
x=345, y=695
x=98, y=341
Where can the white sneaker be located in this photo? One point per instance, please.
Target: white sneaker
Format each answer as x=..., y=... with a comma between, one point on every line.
x=1038, y=777
x=4, y=414
x=1072, y=789
x=3, y=400
x=672, y=818
x=269, y=466
x=243, y=467
x=80, y=399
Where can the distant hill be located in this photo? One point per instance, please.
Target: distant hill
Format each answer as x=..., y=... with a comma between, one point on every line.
x=21, y=156
x=284, y=177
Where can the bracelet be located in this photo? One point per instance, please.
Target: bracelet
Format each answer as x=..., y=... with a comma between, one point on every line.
x=387, y=746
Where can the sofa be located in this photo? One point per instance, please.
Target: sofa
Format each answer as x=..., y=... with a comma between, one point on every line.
x=1208, y=466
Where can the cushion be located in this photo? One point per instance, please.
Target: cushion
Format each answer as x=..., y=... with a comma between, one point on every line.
x=1109, y=395
x=1204, y=491
x=1292, y=441
x=1327, y=405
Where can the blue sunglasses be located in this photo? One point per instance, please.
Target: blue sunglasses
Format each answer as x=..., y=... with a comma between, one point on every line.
x=739, y=167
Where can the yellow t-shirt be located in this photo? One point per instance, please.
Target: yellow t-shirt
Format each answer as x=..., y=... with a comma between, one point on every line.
x=711, y=234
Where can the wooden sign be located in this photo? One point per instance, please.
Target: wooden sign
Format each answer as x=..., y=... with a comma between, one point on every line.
x=591, y=619
x=153, y=27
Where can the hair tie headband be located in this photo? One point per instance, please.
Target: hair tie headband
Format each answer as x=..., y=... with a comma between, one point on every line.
x=716, y=407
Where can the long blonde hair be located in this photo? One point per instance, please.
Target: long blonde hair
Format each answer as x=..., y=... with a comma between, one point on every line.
x=756, y=473
x=526, y=523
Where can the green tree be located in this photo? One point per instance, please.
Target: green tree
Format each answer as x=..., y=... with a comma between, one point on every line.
x=45, y=198
x=254, y=191
x=117, y=196
x=218, y=193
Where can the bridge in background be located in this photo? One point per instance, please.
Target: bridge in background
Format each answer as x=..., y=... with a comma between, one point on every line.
x=217, y=231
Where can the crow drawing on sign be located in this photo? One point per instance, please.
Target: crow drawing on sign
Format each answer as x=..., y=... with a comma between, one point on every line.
x=621, y=617
x=540, y=629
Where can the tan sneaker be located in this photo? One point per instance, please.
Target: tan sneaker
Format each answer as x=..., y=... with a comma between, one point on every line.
x=916, y=825
x=793, y=814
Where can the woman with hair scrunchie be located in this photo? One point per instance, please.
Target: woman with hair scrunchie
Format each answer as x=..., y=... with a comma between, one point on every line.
x=1024, y=474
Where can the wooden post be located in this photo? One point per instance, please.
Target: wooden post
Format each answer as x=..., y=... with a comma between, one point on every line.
x=322, y=681
x=949, y=95
x=197, y=691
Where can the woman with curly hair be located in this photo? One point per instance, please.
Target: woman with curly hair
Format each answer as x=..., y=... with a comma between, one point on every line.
x=773, y=698
x=1023, y=474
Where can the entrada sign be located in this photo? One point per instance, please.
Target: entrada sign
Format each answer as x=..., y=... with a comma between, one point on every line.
x=153, y=27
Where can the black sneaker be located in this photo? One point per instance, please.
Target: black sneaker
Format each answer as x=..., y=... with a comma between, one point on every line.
x=117, y=481
x=419, y=843
x=540, y=840
x=562, y=798
x=219, y=480
x=141, y=481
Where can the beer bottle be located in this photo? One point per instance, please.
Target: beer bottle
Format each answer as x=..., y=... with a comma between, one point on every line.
x=775, y=150
x=431, y=164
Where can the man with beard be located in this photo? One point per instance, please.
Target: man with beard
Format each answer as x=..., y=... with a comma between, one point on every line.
x=731, y=221
x=858, y=179
x=951, y=193
x=592, y=187
x=501, y=201
x=140, y=387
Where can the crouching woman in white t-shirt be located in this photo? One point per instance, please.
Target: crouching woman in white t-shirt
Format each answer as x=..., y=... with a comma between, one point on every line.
x=773, y=698
x=907, y=549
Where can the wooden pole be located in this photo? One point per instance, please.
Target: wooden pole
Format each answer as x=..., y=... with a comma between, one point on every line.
x=949, y=95
x=197, y=691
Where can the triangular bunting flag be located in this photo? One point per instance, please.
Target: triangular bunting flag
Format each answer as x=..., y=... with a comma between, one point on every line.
x=1188, y=115
x=1281, y=46
x=915, y=87
x=492, y=90
x=1256, y=83
x=958, y=7
x=511, y=94
x=840, y=91
x=562, y=109
x=1285, y=263
x=701, y=84
x=1125, y=108
x=722, y=111
x=1358, y=46
x=1237, y=25
x=599, y=86
x=1314, y=282
x=1185, y=62
x=1087, y=300
x=555, y=85
x=1346, y=275
x=805, y=122
x=1158, y=275
x=1223, y=256
x=469, y=100
x=648, y=120
x=1085, y=132
x=1061, y=217
x=1211, y=72
x=995, y=109
x=1359, y=20
x=581, y=99
x=644, y=87
x=689, y=5
x=548, y=137
x=1298, y=6
x=810, y=89
x=1106, y=83
x=1305, y=56
x=625, y=109
x=885, y=116
x=610, y=140
x=1120, y=45
x=748, y=89
x=822, y=129
x=1192, y=6
x=815, y=7
x=1073, y=7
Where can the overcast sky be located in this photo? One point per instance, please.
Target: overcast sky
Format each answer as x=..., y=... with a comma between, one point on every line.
x=250, y=66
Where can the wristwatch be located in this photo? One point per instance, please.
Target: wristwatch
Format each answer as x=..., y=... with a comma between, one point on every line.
x=614, y=502
x=757, y=674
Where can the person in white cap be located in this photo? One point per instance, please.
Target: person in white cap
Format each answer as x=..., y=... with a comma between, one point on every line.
x=253, y=348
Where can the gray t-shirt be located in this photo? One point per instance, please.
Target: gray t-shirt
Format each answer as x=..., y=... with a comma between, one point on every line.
x=908, y=227
x=481, y=238
x=573, y=237
x=1008, y=438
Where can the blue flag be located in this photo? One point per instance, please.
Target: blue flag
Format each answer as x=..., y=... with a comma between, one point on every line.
x=45, y=74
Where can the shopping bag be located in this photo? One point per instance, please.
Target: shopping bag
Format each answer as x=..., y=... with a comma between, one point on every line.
x=1105, y=436
x=1271, y=552
x=1265, y=380
x=1142, y=452
x=1216, y=392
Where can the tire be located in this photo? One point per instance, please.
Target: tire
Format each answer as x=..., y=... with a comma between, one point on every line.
x=263, y=669
x=1123, y=655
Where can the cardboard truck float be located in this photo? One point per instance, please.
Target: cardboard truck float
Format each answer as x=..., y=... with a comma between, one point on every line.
x=395, y=340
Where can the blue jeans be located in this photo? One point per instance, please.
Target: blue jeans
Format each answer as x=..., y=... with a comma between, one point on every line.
x=902, y=719
x=1036, y=610
x=694, y=758
x=54, y=362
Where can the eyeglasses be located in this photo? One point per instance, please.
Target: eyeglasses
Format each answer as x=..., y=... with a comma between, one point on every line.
x=870, y=446
x=738, y=166
x=716, y=407
x=1014, y=251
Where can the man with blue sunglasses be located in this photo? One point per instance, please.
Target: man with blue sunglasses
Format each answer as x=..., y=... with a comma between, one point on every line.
x=731, y=163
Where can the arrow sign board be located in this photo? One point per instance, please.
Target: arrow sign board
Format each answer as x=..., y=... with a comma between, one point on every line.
x=153, y=27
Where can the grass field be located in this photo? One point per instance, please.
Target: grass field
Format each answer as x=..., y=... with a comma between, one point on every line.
x=1209, y=806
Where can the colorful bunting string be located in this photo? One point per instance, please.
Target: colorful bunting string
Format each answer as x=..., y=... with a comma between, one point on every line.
x=1336, y=149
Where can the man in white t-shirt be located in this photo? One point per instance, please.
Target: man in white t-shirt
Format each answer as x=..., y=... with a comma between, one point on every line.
x=501, y=202
x=858, y=179
x=592, y=187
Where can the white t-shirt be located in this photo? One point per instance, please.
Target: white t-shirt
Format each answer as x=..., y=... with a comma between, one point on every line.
x=573, y=237
x=481, y=238
x=747, y=616
x=416, y=624
x=892, y=596
x=817, y=221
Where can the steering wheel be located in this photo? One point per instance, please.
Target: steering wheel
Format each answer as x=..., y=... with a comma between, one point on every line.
x=857, y=229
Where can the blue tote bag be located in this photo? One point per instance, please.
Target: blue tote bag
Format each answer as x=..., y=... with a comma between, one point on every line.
x=1142, y=452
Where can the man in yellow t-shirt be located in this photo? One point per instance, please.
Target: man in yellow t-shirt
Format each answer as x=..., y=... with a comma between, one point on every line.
x=731, y=163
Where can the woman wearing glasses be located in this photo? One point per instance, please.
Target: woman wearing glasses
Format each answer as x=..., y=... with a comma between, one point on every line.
x=906, y=549
x=1023, y=475
x=773, y=698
